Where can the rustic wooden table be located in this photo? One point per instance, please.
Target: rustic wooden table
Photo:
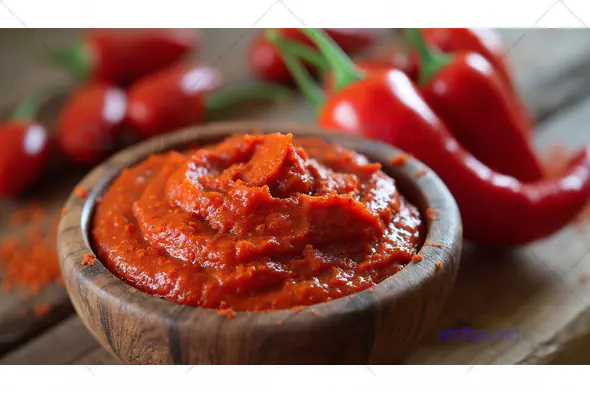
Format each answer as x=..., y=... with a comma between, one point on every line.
x=539, y=289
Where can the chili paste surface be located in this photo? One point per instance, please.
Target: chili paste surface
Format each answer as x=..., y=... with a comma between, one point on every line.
x=256, y=222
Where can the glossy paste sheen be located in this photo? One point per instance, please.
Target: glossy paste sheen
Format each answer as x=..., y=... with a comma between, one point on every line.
x=256, y=222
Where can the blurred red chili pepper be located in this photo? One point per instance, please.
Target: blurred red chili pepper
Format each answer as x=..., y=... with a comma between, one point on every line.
x=90, y=122
x=496, y=209
x=467, y=93
x=24, y=150
x=266, y=62
x=183, y=94
x=121, y=57
x=311, y=56
x=487, y=43
x=397, y=56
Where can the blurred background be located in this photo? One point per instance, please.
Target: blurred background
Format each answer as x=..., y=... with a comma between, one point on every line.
x=539, y=289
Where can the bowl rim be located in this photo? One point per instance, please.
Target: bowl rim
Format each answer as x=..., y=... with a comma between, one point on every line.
x=73, y=230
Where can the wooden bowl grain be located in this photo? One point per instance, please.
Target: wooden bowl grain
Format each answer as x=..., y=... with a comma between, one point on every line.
x=370, y=327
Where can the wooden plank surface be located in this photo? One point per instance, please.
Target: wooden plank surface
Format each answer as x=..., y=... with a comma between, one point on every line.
x=65, y=343
x=539, y=289
x=493, y=292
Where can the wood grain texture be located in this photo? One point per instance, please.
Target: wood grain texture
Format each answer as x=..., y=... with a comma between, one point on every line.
x=377, y=326
x=65, y=343
x=551, y=66
x=18, y=320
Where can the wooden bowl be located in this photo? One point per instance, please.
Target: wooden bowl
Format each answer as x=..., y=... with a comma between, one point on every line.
x=378, y=326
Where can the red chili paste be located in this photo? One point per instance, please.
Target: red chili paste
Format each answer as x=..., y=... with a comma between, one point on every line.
x=257, y=222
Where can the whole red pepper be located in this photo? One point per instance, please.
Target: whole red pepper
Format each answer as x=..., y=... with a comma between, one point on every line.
x=182, y=95
x=367, y=66
x=266, y=62
x=487, y=43
x=467, y=93
x=24, y=150
x=496, y=209
x=121, y=57
x=398, y=56
x=90, y=122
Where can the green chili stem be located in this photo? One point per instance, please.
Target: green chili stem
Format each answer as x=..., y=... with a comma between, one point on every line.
x=431, y=59
x=305, y=52
x=225, y=98
x=344, y=69
x=26, y=110
x=308, y=86
x=76, y=60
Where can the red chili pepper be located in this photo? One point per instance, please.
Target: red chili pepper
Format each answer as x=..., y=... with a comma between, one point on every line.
x=266, y=62
x=24, y=150
x=365, y=65
x=90, y=122
x=400, y=57
x=496, y=209
x=121, y=57
x=487, y=43
x=312, y=57
x=183, y=95
x=467, y=93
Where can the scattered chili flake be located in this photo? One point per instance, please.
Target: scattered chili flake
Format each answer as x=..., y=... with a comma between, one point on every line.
x=18, y=217
x=417, y=258
x=439, y=265
x=80, y=192
x=583, y=277
x=371, y=289
x=88, y=260
x=432, y=213
x=227, y=312
x=36, y=212
x=421, y=172
x=437, y=245
x=64, y=212
x=32, y=212
x=30, y=261
x=298, y=308
x=402, y=159
x=41, y=309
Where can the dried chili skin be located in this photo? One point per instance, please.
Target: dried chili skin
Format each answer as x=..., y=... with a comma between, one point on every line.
x=496, y=209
